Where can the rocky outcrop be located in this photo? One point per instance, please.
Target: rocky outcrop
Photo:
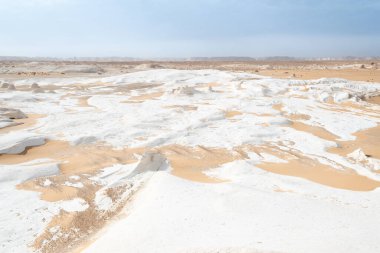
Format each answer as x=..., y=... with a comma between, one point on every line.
x=12, y=113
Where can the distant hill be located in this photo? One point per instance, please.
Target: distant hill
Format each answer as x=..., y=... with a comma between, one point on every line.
x=222, y=58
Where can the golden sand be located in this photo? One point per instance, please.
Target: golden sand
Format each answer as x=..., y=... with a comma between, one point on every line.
x=368, y=140
x=322, y=174
x=190, y=163
x=230, y=114
x=298, y=165
x=74, y=159
x=314, y=130
x=374, y=100
x=26, y=123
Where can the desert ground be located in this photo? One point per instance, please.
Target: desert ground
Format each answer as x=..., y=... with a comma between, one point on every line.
x=191, y=156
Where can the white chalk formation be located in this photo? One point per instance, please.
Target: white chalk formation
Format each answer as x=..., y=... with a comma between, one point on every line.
x=17, y=142
x=200, y=217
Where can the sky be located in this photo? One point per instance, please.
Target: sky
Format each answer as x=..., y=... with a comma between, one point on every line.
x=189, y=28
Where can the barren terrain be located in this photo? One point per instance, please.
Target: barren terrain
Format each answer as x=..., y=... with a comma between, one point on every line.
x=190, y=156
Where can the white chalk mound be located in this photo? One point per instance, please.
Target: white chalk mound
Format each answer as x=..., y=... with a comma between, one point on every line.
x=4, y=85
x=11, y=87
x=7, y=116
x=358, y=155
x=35, y=86
x=17, y=142
x=11, y=113
x=186, y=90
x=150, y=162
x=38, y=90
x=26, y=171
x=341, y=96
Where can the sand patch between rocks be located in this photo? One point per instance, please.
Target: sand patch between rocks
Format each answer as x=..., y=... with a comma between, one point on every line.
x=230, y=114
x=314, y=130
x=75, y=159
x=298, y=165
x=368, y=140
x=22, y=124
x=322, y=174
x=374, y=100
x=189, y=163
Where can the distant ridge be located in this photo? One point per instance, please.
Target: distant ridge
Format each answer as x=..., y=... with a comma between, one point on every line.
x=222, y=58
x=90, y=59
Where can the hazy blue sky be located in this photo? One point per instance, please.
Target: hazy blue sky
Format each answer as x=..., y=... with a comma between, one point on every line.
x=184, y=28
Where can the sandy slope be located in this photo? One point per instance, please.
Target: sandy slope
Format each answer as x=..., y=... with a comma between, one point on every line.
x=190, y=161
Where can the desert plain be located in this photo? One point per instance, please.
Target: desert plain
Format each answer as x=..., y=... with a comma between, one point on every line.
x=190, y=156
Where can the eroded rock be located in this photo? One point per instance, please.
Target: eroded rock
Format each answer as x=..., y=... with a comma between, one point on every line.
x=12, y=113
